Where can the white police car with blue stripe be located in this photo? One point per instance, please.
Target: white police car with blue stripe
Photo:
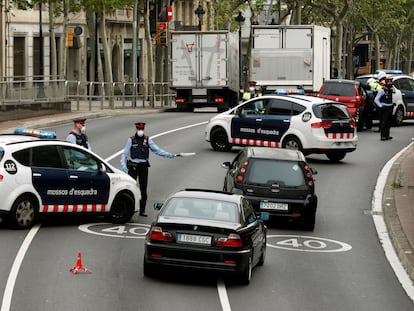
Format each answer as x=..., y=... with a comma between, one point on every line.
x=41, y=175
x=306, y=123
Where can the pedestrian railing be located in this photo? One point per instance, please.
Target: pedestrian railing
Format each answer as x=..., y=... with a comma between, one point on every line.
x=99, y=95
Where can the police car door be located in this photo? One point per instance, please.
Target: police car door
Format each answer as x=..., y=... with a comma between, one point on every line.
x=49, y=176
x=247, y=123
x=87, y=180
x=406, y=86
x=276, y=119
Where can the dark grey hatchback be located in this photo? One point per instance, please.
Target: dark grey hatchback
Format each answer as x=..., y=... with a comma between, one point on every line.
x=277, y=182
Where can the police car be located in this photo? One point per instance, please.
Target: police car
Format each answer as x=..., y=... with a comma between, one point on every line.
x=306, y=123
x=41, y=175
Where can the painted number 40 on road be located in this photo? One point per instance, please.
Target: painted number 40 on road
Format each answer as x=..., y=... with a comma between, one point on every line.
x=306, y=243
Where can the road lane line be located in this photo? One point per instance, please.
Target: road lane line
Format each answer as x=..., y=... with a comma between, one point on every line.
x=224, y=298
x=11, y=281
x=158, y=135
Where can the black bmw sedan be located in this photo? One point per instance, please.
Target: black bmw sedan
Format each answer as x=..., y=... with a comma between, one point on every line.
x=209, y=230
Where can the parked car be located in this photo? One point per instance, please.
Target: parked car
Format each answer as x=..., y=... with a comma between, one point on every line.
x=276, y=181
x=40, y=175
x=209, y=230
x=349, y=92
x=402, y=110
x=405, y=84
x=305, y=123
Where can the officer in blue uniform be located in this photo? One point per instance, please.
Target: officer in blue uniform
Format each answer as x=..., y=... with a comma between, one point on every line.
x=384, y=101
x=78, y=134
x=134, y=160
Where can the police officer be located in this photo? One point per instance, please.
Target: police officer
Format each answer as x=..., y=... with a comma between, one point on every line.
x=77, y=135
x=384, y=101
x=134, y=160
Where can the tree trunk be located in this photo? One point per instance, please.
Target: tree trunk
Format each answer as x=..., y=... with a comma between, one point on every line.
x=63, y=56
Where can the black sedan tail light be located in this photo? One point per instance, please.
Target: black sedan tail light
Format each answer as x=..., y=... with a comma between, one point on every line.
x=233, y=240
x=156, y=234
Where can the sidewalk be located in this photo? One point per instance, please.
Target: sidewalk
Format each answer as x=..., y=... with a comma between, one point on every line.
x=397, y=195
x=398, y=208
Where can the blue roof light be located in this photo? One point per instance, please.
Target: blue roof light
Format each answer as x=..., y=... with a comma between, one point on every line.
x=36, y=133
x=290, y=91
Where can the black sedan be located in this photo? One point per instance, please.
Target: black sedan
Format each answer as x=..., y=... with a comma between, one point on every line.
x=209, y=230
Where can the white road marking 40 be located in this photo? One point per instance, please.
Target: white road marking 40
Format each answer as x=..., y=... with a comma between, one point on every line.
x=126, y=231
x=306, y=243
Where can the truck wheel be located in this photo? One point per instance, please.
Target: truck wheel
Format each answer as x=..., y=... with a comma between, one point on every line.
x=23, y=213
x=399, y=116
x=219, y=140
x=122, y=209
x=292, y=143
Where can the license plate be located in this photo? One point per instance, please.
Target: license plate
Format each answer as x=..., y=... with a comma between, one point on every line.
x=191, y=238
x=275, y=206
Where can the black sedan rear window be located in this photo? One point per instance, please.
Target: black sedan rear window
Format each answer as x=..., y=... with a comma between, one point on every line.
x=202, y=208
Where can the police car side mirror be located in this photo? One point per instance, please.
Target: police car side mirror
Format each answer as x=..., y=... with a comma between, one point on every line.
x=313, y=171
x=226, y=165
x=157, y=206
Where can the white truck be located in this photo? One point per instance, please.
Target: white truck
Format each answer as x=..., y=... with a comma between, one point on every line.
x=204, y=69
x=290, y=56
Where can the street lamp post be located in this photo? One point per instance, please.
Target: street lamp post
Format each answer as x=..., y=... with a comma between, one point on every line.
x=41, y=91
x=240, y=19
x=200, y=12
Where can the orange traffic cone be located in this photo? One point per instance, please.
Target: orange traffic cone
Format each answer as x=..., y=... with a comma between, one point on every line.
x=79, y=266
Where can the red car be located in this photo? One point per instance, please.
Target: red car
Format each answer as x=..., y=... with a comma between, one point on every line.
x=349, y=92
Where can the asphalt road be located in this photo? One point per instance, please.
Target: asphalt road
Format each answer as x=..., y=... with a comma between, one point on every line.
x=339, y=266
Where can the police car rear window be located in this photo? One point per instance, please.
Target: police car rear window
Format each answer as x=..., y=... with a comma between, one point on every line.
x=1, y=153
x=331, y=111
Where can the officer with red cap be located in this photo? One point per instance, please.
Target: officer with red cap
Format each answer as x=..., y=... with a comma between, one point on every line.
x=78, y=134
x=135, y=160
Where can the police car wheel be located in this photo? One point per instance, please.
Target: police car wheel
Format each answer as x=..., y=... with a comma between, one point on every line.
x=23, y=213
x=399, y=116
x=219, y=140
x=122, y=209
x=336, y=156
x=292, y=143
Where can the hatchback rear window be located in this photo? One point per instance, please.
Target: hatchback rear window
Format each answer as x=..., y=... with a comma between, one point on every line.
x=331, y=111
x=284, y=173
x=339, y=89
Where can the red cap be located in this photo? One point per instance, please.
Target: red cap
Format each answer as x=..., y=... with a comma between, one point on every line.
x=140, y=125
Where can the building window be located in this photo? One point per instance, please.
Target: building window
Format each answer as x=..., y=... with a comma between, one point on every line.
x=19, y=57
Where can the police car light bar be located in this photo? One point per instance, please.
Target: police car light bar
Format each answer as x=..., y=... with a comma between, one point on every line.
x=36, y=133
x=289, y=91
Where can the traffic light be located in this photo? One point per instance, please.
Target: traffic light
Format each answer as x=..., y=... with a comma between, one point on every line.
x=162, y=32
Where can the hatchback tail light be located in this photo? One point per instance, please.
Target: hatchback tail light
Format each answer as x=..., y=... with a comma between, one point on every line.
x=1, y=177
x=242, y=171
x=179, y=100
x=219, y=100
x=233, y=240
x=352, y=123
x=309, y=176
x=156, y=234
x=323, y=124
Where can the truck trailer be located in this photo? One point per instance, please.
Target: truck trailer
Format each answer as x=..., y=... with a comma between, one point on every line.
x=290, y=57
x=204, y=69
